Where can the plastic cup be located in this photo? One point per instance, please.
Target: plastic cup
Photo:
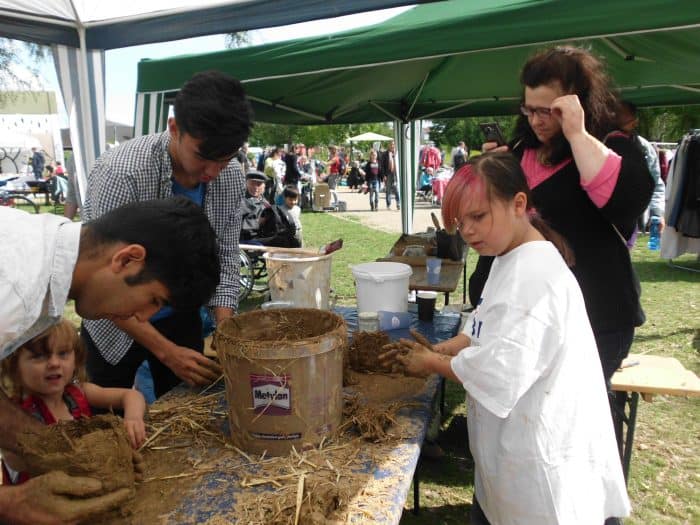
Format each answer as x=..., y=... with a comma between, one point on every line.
x=426, y=305
x=433, y=266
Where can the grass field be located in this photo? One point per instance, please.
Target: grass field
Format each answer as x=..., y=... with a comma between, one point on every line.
x=665, y=470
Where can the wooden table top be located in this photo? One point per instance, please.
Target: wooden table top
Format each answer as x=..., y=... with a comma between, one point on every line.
x=450, y=272
x=655, y=375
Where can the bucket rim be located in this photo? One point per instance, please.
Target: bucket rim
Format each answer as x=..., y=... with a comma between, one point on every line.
x=394, y=270
x=296, y=257
x=339, y=325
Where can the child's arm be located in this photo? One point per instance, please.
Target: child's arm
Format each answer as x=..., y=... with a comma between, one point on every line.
x=454, y=345
x=130, y=400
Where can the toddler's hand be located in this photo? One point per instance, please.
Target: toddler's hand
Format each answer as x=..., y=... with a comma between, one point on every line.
x=136, y=429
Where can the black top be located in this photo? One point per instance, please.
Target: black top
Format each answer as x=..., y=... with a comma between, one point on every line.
x=371, y=170
x=603, y=266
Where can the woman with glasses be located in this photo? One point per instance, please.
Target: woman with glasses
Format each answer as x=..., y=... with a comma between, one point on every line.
x=589, y=182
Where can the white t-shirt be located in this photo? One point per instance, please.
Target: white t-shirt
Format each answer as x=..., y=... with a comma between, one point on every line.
x=539, y=421
x=37, y=259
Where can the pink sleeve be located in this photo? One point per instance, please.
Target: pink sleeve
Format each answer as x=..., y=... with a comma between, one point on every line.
x=600, y=189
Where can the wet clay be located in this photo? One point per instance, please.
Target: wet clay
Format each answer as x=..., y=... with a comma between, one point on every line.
x=96, y=447
x=364, y=351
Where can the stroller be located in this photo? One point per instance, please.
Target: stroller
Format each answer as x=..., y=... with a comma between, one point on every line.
x=277, y=229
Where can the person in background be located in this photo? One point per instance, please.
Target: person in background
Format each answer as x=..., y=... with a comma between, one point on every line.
x=243, y=159
x=627, y=114
x=426, y=177
x=195, y=158
x=388, y=172
x=372, y=179
x=291, y=208
x=274, y=171
x=543, y=445
x=460, y=155
x=292, y=175
x=112, y=267
x=253, y=206
x=589, y=182
x=46, y=376
x=38, y=163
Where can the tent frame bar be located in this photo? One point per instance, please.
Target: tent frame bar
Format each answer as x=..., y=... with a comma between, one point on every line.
x=418, y=94
x=385, y=111
x=288, y=108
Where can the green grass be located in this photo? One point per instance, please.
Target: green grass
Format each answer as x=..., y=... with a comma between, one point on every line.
x=665, y=469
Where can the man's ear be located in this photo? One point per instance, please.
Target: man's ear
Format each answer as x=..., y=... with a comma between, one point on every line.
x=172, y=128
x=128, y=256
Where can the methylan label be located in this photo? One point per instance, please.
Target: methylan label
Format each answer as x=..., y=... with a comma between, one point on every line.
x=272, y=395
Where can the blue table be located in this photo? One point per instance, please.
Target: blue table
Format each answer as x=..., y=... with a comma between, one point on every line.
x=213, y=495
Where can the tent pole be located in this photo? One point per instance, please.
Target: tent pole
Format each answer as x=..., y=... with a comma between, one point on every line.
x=387, y=113
x=415, y=99
x=287, y=108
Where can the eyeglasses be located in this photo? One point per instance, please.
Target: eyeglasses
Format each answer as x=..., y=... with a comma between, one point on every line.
x=543, y=113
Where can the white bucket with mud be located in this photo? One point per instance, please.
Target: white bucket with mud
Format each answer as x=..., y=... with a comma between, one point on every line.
x=284, y=377
x=382, y=286
x=303, y=279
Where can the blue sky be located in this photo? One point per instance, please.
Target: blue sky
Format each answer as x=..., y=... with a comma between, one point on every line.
x=121, y=63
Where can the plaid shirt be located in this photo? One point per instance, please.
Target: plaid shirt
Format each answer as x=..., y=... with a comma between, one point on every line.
x=141, y=169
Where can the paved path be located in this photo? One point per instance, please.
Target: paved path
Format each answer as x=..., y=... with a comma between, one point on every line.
x=384, y=220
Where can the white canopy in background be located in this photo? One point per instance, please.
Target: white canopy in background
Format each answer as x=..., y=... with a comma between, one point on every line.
x=14, y=140
x=80, y=30
x=369, y=137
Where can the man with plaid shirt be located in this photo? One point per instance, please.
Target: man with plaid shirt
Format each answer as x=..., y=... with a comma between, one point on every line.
x=195, y=157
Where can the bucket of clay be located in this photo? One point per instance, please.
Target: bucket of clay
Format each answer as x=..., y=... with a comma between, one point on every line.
x=284, y=372
x=303, y=278
x=382, y=286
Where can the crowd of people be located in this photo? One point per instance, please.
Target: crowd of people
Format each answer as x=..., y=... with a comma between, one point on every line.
x=556, y=297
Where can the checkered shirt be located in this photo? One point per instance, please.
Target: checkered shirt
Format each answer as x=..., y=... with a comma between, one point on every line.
x=140, y=169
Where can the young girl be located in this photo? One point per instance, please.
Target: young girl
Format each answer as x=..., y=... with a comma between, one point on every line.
x=46, y=377
x=539, y=431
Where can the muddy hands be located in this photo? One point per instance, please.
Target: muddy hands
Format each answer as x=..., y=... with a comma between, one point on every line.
x=408, y=357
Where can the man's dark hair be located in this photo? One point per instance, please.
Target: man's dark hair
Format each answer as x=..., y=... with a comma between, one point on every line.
x=181, y=246
x=213, y=107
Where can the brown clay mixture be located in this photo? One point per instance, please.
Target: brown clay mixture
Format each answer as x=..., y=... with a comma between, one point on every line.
x=97, y=447
x=364, y=351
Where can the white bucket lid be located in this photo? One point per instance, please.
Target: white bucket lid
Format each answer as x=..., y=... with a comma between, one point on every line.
x=381, y=271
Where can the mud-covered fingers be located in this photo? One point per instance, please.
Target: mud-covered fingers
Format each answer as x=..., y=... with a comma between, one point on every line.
x=139, y=465
x=71, y=509
x=389, y=355
x=420, y=338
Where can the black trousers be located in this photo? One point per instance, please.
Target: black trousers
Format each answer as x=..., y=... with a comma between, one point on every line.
x=182, y=328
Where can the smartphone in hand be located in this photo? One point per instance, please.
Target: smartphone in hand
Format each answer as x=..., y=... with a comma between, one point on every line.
x=492, y=133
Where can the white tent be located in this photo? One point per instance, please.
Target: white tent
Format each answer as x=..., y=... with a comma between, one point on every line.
x=369, y=137
x=79, y=31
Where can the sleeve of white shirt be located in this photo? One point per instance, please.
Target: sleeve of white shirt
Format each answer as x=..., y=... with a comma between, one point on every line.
x=13, y=318
x=513, y=353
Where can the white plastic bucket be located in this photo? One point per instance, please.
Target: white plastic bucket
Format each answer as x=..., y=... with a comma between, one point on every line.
x=382, y=286
x=302, y=279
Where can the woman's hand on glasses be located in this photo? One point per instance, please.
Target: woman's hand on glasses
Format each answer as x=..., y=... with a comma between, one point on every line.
x=568, y=111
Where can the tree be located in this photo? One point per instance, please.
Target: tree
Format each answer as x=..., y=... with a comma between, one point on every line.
x=278, y=134
x=26, y=55
x=236, y=40
x=446, y=133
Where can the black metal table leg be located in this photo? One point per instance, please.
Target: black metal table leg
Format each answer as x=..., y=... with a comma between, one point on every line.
x=416, y=490
x=633, y=401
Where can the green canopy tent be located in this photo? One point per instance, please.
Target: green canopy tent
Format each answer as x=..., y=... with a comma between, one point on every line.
x=445, y=59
